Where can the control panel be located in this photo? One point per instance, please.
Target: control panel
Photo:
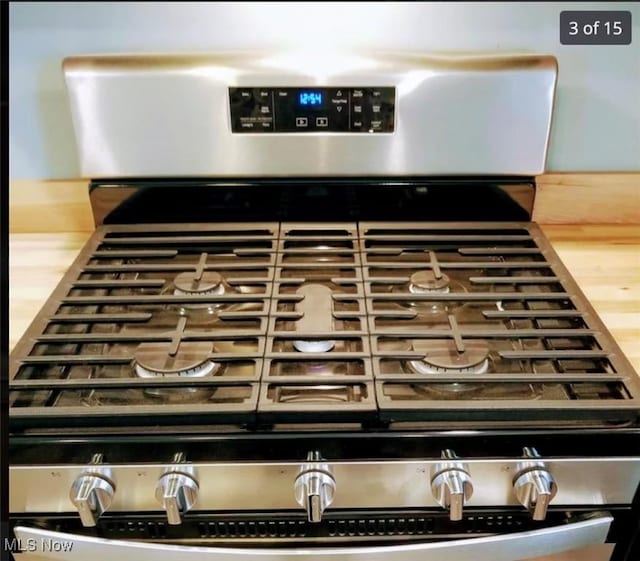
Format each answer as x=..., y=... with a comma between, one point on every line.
x=304, y=110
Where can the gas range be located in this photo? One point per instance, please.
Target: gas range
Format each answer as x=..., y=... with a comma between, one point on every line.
x=366, y=323
x=390, y=353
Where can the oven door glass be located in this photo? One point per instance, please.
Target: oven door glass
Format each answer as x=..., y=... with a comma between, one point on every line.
x=44, y=545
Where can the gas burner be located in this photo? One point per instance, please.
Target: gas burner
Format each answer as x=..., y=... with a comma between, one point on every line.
x=443, y=357
x=427, y=282
x=308, y=346
x=154, y=360
x=200, y=282
x=189, y=283
x=451, y=356
x=316, y=309
x=175, y=358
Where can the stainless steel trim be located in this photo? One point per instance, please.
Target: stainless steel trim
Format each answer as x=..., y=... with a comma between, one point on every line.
x=510, y=547
x=159, y=115
x=360, y=484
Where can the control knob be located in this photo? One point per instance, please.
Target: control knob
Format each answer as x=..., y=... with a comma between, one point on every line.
x=177, y=490
x=451, y=484
x=92, y=492
x=315, y=486
x=534, y=485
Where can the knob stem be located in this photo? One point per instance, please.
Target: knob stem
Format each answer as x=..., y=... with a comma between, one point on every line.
x=91, y=494
x=534, y=485
x=177, y=493
x=451, y=484
x=315, y=487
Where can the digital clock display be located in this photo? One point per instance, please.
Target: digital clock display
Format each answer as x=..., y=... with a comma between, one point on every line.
x=310, y=98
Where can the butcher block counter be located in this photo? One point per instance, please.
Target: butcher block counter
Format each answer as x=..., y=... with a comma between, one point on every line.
x=603, y=259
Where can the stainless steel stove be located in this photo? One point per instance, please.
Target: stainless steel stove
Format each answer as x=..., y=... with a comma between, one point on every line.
x=315, y=311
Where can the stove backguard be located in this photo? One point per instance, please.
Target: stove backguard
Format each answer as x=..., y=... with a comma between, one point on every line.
x=179, y=200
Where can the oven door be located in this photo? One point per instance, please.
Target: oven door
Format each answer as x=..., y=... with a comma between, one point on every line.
x=575, y=541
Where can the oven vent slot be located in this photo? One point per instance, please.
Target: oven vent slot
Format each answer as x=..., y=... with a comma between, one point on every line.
x=347, y=527
x=229, y=529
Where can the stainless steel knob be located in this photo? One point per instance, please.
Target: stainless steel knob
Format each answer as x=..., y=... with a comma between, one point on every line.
x=534, y=485
x=92, y=492
x=177, y=490
x=451, y=484
x=315, y=486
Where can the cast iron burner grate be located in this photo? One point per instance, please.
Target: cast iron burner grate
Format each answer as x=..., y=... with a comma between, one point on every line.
x=370, y=323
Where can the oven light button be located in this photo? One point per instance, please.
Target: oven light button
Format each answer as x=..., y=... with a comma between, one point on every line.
x=177, y=490
x=534, y=485
x=451, y=484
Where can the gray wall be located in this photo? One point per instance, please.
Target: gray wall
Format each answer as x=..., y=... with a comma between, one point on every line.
x=596, y=124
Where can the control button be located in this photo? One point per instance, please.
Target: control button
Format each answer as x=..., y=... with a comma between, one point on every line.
x=315, y=486
x=339, y=108
x=246, y=124
x=265, y=109
x=357, y=124
x=266, y=124
x=339, y=93
x=177, y=490
x=357, y=108
x=451, y=484
x=264, y=94
x=322, y=122
x=534, y=485
x=376, y=93
x=375, y=108
x=357, y=93
x=301, y=122
x=92, y=492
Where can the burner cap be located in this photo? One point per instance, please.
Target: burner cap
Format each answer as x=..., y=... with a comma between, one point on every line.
x=441, y=356
x=209, y=283
x=426, y=282
x=191, y=360
x=313, y=346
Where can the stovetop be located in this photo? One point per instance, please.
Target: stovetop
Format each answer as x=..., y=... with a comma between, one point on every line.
x=273, y=325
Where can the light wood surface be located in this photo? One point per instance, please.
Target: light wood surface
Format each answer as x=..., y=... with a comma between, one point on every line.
x=561, y=198
x=587, y=198
x=604, y=260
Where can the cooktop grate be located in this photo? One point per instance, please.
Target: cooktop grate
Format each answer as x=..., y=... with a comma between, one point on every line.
x=334, y=322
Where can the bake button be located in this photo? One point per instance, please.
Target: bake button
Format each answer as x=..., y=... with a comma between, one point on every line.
x=301, y=122
x=322, y=121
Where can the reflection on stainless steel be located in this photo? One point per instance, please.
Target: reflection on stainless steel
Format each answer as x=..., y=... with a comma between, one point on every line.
x=513, y=93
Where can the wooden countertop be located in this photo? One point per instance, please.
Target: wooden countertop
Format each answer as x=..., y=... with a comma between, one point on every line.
x=603, y=259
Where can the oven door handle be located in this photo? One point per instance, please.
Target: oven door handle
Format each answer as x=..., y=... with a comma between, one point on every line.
x=50, y=546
